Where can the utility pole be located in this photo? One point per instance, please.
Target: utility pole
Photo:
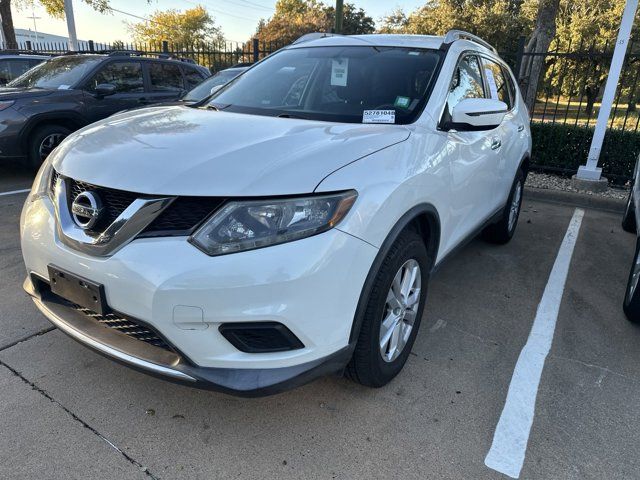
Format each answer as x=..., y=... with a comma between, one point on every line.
x=339, y=16
x=590, y=171
x=71, y=25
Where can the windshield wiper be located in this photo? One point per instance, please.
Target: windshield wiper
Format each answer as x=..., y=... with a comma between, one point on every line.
x=292, y=115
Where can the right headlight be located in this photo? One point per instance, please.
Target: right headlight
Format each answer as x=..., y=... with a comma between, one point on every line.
x=246, y=225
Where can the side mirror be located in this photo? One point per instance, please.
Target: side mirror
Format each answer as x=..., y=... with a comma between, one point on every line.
x=105, y=89
x=473, y=114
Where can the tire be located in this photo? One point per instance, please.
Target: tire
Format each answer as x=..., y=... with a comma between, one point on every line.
x=367, y=366
x=502, y=231
x=42, y=141
x=631, y=305
x=629, y=217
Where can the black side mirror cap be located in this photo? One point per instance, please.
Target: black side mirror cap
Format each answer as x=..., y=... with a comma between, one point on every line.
x=105, y=89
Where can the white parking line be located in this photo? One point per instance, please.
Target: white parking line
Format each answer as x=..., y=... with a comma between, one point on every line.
x=13, y=192
x=512, y=432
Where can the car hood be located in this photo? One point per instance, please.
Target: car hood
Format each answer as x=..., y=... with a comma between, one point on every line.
x=179, y=150
x=11, y=93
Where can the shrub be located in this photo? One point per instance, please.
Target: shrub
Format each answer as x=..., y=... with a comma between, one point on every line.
x=565, y=147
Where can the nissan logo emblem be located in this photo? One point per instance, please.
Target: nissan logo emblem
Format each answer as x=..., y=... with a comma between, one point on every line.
x=86, y=209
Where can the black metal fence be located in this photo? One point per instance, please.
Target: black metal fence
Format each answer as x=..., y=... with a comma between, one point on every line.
x=215, y=56
x=573, y=77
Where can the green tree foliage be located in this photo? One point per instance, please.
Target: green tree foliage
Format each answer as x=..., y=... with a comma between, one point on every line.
x=294, y=18
x=187, y=28
x=500, y=22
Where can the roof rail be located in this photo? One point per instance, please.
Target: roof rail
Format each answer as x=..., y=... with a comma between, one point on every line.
x=453, y=35
x=314, y=36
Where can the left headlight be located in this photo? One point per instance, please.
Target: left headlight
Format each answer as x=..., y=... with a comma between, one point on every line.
x=246, y=225
x=42, y=182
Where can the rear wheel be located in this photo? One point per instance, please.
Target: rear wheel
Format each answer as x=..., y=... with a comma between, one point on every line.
x=43, y=141
x=502, y=231
x=393, y=313
x=631, y=305
x=629, y=217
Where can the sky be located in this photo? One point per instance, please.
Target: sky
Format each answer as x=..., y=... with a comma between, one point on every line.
x=237, y=18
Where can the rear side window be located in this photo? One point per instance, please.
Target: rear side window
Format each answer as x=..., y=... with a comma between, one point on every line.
x=496, y=82
x=13, y=68
x=125, y=76
x=192, y=77
x=466, y=82
x=165, y=77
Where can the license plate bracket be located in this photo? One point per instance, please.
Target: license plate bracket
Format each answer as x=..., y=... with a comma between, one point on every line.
x=77, y=289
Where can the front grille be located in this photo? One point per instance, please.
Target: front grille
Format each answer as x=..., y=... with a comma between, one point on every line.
x=180, y=218
x=125, y=325
x=114, y=201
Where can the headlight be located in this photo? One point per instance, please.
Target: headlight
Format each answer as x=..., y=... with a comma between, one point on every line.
x=246, y=225
x=42, y=182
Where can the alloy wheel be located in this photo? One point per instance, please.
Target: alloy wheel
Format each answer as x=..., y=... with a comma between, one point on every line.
x=514, y=208
x=48, y=143
x=400, y=310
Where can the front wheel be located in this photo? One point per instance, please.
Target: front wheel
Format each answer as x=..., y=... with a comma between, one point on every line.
x=503, y=231
x=43, y=141
x=631, y=305
x=393, y=313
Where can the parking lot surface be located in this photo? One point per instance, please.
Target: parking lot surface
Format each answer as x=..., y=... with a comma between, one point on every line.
x=66, y=412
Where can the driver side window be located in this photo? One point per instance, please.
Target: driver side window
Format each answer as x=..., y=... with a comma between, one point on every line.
x=126, y=76
x=466, y=82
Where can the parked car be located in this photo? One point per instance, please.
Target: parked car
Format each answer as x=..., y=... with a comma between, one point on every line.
x=631, y=303
x=12, y=65
x=63, y=94
x=211, y=84
x=288, y=227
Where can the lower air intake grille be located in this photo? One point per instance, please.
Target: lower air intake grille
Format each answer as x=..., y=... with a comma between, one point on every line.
x=260, y=337
x=126, y=326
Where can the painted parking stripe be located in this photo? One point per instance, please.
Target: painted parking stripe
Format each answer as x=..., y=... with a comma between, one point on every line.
x=512, y=432
x=14, y=192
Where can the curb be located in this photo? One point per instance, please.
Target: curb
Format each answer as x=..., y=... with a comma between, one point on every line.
x=575, y=199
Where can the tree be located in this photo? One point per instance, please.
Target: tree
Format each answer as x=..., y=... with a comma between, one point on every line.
x=480, y=17
x=55, y=8
x=294, y=18
x=188, y=28
x=539, y=42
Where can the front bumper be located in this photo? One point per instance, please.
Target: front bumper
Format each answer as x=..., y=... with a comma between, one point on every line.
x=311, y=286
x=172, y=366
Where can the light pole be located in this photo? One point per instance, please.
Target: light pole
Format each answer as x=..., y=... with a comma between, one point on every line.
x=339, y=15
x=590, y=171
x=71, y=25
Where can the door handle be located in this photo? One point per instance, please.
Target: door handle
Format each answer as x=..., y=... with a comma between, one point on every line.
x=496, y=144
x=520, y=128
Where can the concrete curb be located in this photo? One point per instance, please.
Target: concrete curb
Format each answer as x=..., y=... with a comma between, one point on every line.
x=575, y=199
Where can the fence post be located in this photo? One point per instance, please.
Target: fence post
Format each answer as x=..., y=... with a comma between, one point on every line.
x=165, y=46
x=256, y=50
x=91, y=46
x=28, y=44
x=519, y=54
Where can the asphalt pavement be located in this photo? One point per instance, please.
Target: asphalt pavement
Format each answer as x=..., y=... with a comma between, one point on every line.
x=66, y=412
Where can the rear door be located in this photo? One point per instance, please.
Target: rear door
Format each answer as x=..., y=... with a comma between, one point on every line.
x=166, y=82
x=127, y=77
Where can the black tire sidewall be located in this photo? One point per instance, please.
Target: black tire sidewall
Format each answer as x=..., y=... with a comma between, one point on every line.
x=519, y=179
x=36, y=139
x=414, y=248
x=631, y=304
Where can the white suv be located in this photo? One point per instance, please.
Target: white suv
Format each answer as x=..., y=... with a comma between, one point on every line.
x=285, y=227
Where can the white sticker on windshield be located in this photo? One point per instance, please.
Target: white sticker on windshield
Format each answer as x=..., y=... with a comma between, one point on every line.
x=379, y=116
x=339, y=72
x=63, y=87
x=492, y=82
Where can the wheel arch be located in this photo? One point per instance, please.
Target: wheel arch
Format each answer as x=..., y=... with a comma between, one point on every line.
x=425, y=220
x=70, y=120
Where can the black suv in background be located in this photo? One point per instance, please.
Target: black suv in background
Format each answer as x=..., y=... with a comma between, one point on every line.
x=43, y=106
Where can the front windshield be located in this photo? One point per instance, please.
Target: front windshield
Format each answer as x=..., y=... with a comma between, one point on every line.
x=343, y=84
x=204, y=89
x=61, y=72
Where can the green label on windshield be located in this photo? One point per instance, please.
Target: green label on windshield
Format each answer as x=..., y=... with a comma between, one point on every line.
x=402, y=102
